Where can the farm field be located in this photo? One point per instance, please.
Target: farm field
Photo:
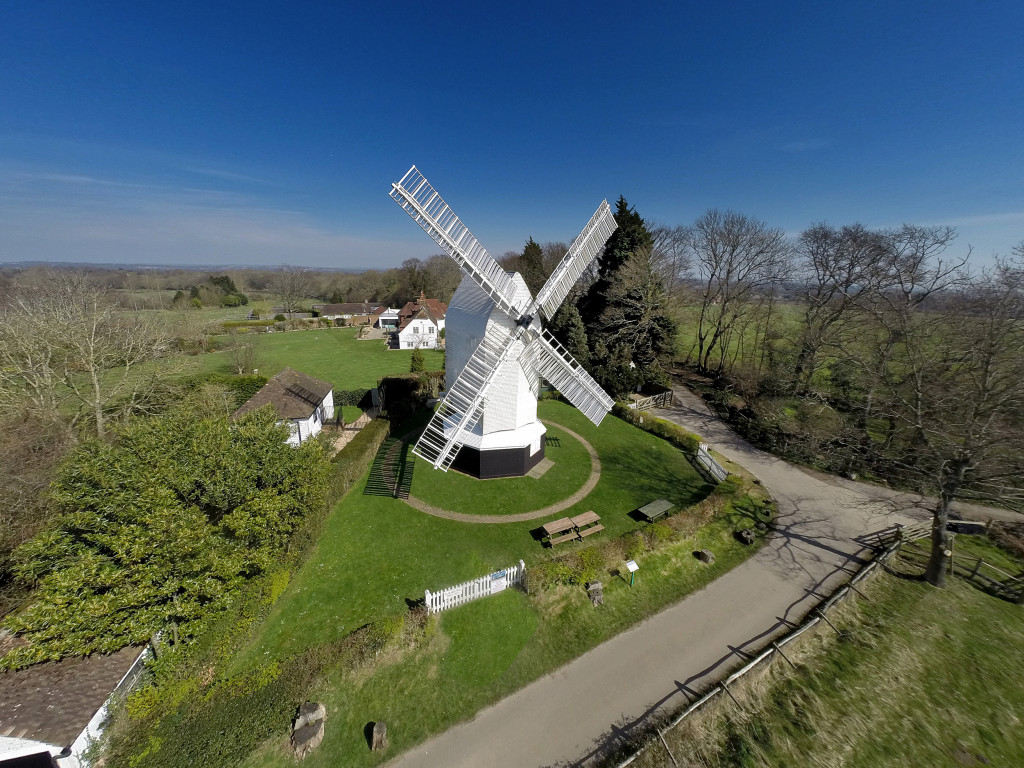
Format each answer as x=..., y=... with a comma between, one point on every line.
x=920, y=677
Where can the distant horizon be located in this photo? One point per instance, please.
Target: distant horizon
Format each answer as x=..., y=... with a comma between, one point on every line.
x=187, y=267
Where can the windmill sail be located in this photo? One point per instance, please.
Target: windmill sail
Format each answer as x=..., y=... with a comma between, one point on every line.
x=432, y=213
x=551, y=360
x=581, y=253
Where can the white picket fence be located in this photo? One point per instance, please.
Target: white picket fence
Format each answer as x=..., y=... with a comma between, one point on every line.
x=490, y=584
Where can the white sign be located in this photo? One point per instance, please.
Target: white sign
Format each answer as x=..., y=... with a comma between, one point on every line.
x=632, y=566
x=499, y=581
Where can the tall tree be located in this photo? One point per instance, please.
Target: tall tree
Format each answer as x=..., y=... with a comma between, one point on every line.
x=292, y=286
x=839, y=268
x=954, y=386
x=739, y=261
x=628, y=325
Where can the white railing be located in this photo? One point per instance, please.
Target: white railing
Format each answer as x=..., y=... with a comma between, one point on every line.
x=490, y=584
x=708, y=462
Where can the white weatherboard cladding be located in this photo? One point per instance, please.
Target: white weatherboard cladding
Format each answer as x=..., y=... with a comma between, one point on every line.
x=512, y=398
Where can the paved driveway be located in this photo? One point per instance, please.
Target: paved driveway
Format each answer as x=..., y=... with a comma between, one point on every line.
x=572, y=714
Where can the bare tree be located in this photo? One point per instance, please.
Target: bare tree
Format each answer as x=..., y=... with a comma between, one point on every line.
x=292, y=285
x=839, y=267
x=738, y=261
x=672, y=253
x=71, y=352
x=955, y=387
x=242, y=351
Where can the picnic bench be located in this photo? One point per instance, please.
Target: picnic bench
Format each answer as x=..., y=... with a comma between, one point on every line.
x=561, y=530
x=655, y=509
x=572, y=528
x=587, y=523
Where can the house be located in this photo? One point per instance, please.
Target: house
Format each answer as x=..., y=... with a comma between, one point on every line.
x=357, y=313
x=50, y=714
x=388, y=320
x=420, y=323
x=301, y=400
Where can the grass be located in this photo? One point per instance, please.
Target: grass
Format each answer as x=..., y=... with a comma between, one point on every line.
x=377, y=553
x=331, y=354
x=457, y=492
x=480, y=652
x=920, y=677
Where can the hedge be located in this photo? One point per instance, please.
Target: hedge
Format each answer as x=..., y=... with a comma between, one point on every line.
x=666, y=430
x=351, y=397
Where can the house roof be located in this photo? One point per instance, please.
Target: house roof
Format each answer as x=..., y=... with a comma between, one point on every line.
x=351, y=308
x=437, y=309
x=294, y=395
x=422, y=312
x=54, y=702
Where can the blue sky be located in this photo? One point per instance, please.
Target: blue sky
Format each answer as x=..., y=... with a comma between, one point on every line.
x=267, y=133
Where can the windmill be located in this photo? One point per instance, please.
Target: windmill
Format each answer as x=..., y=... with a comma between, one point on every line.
x=497, y=348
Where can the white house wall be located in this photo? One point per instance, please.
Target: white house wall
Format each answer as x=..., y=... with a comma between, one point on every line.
x=418, y=334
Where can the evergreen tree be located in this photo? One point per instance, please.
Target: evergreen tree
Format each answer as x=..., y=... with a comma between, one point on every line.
x=416, y=361
x=625, y=311
x=567, y=326
x=531, y=266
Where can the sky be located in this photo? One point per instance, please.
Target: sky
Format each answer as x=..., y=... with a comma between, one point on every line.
x=267, y=133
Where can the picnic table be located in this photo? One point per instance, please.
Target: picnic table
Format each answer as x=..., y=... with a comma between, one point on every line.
x=587, y=523
x=572, y=529
x=655, y=509
x=560, y=530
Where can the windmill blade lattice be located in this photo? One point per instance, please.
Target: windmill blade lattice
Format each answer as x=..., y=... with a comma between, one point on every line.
x=539, y=354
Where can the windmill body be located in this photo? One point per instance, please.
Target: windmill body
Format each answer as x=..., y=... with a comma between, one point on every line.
x=508, y=440
x=497, y=349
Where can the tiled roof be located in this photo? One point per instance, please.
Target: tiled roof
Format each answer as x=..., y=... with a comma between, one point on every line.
x=437, y=309
x=293, y=394
x=53, y=702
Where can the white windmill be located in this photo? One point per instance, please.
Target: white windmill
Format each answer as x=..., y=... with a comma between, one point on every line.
x=496, y=347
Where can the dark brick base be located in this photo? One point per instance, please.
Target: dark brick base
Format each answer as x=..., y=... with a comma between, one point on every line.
x=503, y=462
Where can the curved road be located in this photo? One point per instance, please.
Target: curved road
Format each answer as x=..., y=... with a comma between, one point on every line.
x=573, y=714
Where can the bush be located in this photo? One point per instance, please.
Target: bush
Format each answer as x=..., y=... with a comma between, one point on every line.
x=355, y=397
x=416, y=362
x=279, y=318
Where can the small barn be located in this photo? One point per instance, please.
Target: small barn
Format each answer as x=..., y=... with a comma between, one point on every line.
x=303, y=401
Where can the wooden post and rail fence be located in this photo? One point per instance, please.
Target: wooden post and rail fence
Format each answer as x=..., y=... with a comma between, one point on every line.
x=1009, y=586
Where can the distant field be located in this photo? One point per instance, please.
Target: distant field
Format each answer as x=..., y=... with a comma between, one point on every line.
x=331, y=354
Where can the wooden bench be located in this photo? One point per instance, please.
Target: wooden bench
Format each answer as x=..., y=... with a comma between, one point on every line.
x=560, y=530
x=587, y=523
x=655, y=509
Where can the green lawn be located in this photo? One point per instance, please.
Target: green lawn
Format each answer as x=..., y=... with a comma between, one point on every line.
x=378, y=552
x=922, y=677
x=480, y=652
x=461, y=493
x=331, y=354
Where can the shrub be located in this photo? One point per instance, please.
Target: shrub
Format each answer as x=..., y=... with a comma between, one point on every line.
x=416, y=362
x=356, y=397
x=636, y=545
x=279, y=318
x=661, y=532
